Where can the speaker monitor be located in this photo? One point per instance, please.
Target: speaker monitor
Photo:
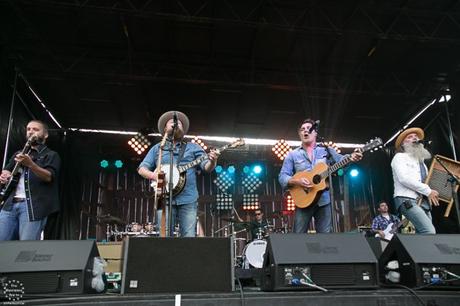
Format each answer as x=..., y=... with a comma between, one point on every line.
x=177, y=265
x=423, y=260
x=49, y=266
x=329, y=260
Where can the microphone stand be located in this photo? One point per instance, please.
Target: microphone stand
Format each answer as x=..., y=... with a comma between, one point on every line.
x=453, y=181
x=170, y=181
x=320, y=142
x=331, y=189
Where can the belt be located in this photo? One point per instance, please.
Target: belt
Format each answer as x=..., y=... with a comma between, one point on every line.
x=16, y=200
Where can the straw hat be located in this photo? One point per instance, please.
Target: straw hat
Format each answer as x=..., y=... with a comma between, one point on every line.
x=170, y=115
x=404, y=134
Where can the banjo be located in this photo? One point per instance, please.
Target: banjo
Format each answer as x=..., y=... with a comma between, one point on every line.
x=179, y=172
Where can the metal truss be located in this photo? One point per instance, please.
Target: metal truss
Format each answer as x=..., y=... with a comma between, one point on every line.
x=439, y=25
x=383, y=23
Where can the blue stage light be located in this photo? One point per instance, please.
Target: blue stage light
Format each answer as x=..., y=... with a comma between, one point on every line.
x=219, y=169
x=354, y=172
x=231, y=169
x=257, y=169
x=246, y=169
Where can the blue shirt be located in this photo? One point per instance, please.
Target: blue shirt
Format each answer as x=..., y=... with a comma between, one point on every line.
x=298, y=160
x=192, y=151
x=381, y=223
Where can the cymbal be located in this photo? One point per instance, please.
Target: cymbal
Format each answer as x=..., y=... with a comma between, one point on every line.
x=108, y=219
x=233, y=220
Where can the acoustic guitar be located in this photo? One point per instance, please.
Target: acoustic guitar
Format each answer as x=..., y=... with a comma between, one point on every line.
x=317, y=176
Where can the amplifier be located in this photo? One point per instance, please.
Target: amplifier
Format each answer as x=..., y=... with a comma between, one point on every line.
x=330, y=260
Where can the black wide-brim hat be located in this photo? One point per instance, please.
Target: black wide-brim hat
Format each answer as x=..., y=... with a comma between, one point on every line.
x=170, y=115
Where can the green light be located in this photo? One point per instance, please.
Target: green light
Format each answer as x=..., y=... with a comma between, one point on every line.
x=118, y=164
x=104, y=163
x=340, y=172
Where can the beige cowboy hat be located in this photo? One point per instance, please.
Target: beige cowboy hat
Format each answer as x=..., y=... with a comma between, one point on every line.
x=404, y=134
x=170, y=115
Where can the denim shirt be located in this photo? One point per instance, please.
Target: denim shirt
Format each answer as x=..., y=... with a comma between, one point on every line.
x=298, y=160
x=192, y=151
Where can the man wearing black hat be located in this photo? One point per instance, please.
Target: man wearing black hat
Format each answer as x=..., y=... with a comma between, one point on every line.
x=409, y=173
x=185, y=203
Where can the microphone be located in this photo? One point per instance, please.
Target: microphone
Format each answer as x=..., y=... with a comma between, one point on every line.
x=424, y=142
x=175, y=119
x=314, y=127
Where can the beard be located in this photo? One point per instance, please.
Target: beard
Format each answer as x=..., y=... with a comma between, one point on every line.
x=417, y=151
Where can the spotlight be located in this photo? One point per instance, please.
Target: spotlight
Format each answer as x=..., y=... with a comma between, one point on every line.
x=246, y=169
x=139, y=143
x=231, y=169
x=199, y=142
x=118, y=164
x=218, y=169
x=250, y=201
x=281, y=149
x=104, y=163
x=354, y=172
x=290, y=205
x=257, y=169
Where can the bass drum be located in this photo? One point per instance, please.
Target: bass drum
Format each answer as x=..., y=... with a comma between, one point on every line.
x=254, y=254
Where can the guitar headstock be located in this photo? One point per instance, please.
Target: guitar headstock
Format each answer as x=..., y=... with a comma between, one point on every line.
x=372, y=144
x=237, y=143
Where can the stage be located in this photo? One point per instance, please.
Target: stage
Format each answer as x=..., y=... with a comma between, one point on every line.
x=253, y=296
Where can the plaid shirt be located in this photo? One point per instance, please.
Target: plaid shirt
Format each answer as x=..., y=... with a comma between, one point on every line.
x=381, y=223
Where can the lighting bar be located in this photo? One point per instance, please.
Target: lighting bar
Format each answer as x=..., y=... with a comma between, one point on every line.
x=252, y=141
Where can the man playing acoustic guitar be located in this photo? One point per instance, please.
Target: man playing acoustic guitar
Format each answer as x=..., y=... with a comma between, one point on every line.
x=304, y=159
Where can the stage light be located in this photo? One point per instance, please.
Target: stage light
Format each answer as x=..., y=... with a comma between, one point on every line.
x=118, y=164
x=224, y=181
x=257, y=169
x=139, y=143
x=219, y=169
x=340, y=172
x=290, y=205
x=199, y=142
x=224, y=201
x=246, y=169
x=251, y=182
x=251, y=201
x=104, y=163
x=332, y=145
x=354, y=172
x=231, y=169
x=281, y=149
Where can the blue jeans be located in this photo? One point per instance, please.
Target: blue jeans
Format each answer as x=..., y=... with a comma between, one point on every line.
x=420, y=216
x=322, y=215
x=185, y=215
x=15, y=224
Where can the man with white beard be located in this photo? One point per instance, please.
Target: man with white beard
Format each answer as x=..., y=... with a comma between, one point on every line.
x=409, y=173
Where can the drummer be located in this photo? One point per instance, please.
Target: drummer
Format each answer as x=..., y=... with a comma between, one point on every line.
x=258, y=226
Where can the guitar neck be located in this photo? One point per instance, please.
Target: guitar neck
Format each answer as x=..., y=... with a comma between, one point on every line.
x=185, y=167
x=345, y=161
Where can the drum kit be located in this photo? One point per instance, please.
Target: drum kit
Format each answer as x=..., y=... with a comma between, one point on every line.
x=250, y=253
x=117, y=230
